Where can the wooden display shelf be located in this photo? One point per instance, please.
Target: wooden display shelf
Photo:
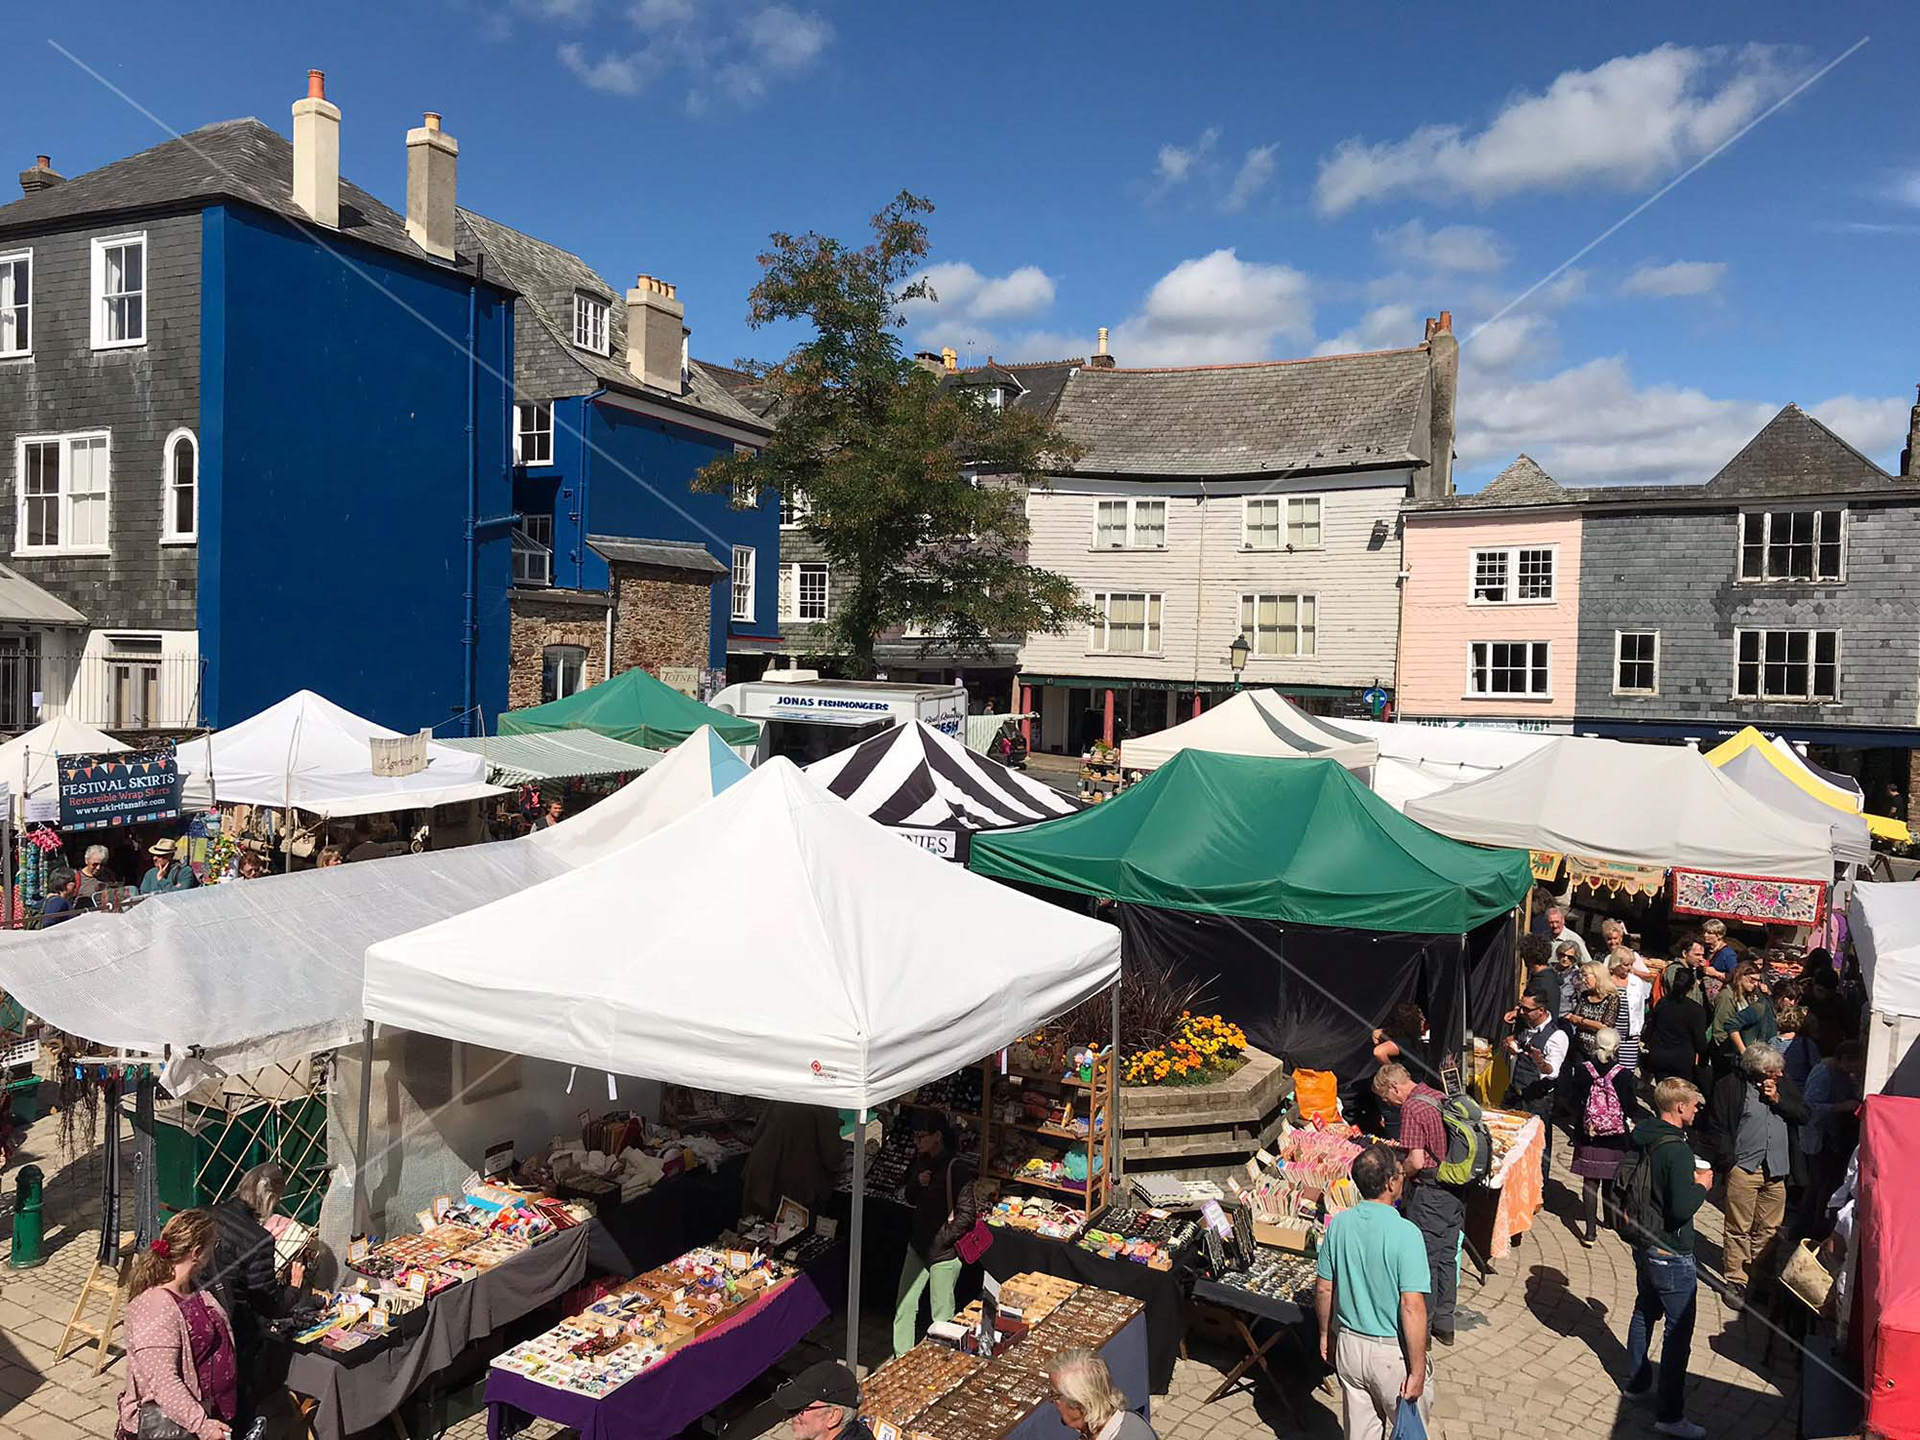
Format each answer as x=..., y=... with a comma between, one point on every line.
x=1080, y=1193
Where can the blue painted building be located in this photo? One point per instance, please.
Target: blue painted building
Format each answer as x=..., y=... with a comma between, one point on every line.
x=618, y=562
x=259, y=428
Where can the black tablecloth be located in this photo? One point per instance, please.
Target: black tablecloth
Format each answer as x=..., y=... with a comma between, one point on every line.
x=1164, y=1291
x=1264, y=1307
x=359, y=1396
x=672, y=1218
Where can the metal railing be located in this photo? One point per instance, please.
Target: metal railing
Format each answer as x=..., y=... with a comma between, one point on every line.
x=130, y=690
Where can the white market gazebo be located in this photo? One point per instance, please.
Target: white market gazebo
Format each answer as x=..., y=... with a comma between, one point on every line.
x=1259, y=723
x=307, y=753
x=775, y=943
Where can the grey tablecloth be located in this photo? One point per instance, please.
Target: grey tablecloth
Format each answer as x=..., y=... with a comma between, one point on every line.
x=360, y=1396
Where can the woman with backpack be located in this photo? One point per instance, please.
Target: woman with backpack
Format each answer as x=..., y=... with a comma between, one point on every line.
x=1605, y=1107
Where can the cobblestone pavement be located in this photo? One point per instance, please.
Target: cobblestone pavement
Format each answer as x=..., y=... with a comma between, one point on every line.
x=1540, y=1345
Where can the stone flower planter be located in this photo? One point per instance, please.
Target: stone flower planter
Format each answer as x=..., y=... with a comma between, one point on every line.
x=1204, y=1132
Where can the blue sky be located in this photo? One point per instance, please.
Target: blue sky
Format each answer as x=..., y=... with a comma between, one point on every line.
x=1214, y=183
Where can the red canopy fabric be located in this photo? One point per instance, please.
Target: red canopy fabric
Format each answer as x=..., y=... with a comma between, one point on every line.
x=1890, y=1265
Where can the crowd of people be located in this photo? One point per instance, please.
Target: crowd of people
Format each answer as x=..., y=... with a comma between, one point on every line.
x=1704, y=1074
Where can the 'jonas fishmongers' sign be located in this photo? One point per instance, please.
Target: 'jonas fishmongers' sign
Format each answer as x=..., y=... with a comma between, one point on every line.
x=125, y=787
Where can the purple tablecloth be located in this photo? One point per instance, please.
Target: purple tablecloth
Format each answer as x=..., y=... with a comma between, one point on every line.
x=663, y=1401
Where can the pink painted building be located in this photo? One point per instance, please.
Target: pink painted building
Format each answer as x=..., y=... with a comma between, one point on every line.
x=1490, y=605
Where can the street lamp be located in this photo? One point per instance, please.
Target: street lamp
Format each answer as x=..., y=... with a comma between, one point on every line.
x=1237, y=654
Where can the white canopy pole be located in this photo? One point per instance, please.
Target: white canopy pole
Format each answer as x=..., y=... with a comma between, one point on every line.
x=362, y=1206
x=853, y=1241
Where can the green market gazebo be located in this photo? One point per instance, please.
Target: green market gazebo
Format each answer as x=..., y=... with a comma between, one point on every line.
x=1308, y=904
x=634, y=707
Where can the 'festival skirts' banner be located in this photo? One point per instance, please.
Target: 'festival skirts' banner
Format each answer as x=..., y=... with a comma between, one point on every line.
x=122, y=787
x=1749, y=897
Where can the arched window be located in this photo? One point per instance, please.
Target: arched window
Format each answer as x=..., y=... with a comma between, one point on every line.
x=563, y=671
x=180, y=488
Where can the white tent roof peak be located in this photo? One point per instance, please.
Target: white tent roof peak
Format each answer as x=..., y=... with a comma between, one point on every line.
x=1254, y=722
x=311, y=754
x=774, y=943
x=26, y=761
x=915, y=776
x=1641, y=804
x=185, y=968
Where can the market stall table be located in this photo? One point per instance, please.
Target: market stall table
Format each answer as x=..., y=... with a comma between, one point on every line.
x=1241, y=1305
x=934, y=1390
x=357, y=1394
x=670, y=1395
x=1502, y=1206
x=680, y=1212
x=1162, y=1292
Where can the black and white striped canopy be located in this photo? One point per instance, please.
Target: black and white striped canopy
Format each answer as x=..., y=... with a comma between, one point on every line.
x=913, y=776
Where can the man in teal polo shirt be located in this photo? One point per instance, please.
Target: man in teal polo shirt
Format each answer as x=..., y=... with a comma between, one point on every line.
x=1373, y=1283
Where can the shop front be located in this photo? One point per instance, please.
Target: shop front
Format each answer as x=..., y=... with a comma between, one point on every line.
x=1075, y=711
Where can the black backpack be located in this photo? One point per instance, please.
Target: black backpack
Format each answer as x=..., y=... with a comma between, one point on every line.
x=1631, y=1203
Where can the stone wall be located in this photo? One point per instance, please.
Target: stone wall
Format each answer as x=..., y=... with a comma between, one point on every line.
x=552, y=617
x=661, y=617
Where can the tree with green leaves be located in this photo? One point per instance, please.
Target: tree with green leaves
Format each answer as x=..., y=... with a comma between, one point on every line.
x=914, y=490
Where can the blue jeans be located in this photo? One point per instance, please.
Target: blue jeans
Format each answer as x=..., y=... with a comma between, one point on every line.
x=1668, y=1286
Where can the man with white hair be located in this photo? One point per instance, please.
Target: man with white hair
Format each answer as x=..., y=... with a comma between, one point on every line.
x=824, y=1403
x=1751, y=1131
x=1558, y=934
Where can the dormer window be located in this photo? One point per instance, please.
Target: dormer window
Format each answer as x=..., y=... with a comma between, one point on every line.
x=590, y=323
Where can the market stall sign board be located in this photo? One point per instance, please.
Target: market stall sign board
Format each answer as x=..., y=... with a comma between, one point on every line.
x=124, y=787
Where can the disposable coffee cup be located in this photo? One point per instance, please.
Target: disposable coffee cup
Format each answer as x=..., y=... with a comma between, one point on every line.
x=1702, y=1170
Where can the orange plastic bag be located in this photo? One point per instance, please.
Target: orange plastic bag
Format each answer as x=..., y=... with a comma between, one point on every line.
x=1317, y=1093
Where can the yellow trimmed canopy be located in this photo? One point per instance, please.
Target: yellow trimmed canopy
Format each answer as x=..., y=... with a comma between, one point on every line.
x=1783, y=759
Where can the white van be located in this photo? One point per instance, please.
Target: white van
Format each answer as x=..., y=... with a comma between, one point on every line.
x=808, y=720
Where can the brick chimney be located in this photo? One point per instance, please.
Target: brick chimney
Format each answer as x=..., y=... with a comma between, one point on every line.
x=41, y=177
x=1910, y=457
x=1443, y=380
x=432, y=157
x=656, y=326
x=1100, y=359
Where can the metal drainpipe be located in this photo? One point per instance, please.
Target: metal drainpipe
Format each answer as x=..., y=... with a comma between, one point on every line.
x=471, y=637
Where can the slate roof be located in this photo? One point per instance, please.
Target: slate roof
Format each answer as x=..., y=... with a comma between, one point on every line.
x=1795, y=454
x=245, y=160
x=547, y=364
x=1335, y=412
x=1038, y=384
x=750, y=390
x=1521, y=483
x=1793, y=457
x=666, y=554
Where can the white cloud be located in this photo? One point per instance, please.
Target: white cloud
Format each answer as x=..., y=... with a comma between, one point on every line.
x=1217, y=308
x=1255, y=173
x=660, y=14
x=1176, y=162
x=966, y=301
x=785, y=40
x=1501, y=344
x=1592, y=424
x=1385, y=327
x=738, y=54
x=1680, y=277
x=1622, y=124
x=1906, y=189
x=571, y=12
x=615, y=74
x=1455, y=248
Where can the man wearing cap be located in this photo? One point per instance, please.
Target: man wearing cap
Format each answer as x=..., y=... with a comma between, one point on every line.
x=824, y=1401
x=167, y=873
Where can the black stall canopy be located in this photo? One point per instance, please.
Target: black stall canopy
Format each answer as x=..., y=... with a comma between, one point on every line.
x=1308, y=904
x=933, y=790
